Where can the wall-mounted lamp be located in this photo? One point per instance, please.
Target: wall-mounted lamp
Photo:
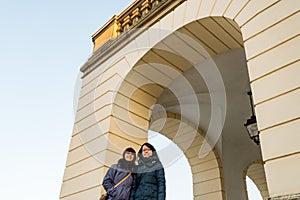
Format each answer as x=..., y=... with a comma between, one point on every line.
x=251, y=124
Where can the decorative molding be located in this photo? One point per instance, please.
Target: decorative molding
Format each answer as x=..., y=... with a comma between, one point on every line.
x=157, y=10
x=285, y=197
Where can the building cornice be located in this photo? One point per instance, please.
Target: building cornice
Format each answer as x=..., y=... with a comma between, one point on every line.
x=113, y=45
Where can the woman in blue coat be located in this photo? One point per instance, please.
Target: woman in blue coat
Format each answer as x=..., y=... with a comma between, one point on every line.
x=149, y=180
x=116, y=173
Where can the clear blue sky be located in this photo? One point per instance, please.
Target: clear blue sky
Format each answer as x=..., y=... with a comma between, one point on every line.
x=42, y=46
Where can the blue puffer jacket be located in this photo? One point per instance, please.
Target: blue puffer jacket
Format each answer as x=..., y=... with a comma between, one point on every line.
x=114, y=174
x=149, y=181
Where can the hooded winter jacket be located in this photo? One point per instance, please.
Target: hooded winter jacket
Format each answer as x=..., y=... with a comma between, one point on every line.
x=149, y=181
x=115, y=174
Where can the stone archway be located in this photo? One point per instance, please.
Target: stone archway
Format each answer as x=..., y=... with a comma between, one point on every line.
x=256, y=173
x=104, y=122
x=185, y=79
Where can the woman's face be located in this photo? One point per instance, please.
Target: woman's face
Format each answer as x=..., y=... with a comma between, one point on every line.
x=146, y=152
x=129, y=156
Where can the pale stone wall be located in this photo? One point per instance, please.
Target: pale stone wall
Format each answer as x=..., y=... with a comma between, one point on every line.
x=271, y=40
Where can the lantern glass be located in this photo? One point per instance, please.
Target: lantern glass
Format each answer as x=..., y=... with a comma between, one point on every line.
x=252, y=130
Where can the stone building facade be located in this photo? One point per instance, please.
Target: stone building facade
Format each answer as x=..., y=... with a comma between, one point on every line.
x=183, y=68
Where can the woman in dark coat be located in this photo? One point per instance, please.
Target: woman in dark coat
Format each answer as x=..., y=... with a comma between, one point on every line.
x=116, y=173
x=149, y=180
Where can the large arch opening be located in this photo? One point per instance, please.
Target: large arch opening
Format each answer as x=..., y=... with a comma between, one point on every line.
x=198, y=73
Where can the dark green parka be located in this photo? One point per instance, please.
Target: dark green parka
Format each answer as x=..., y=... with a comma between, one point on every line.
x=149, y=180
